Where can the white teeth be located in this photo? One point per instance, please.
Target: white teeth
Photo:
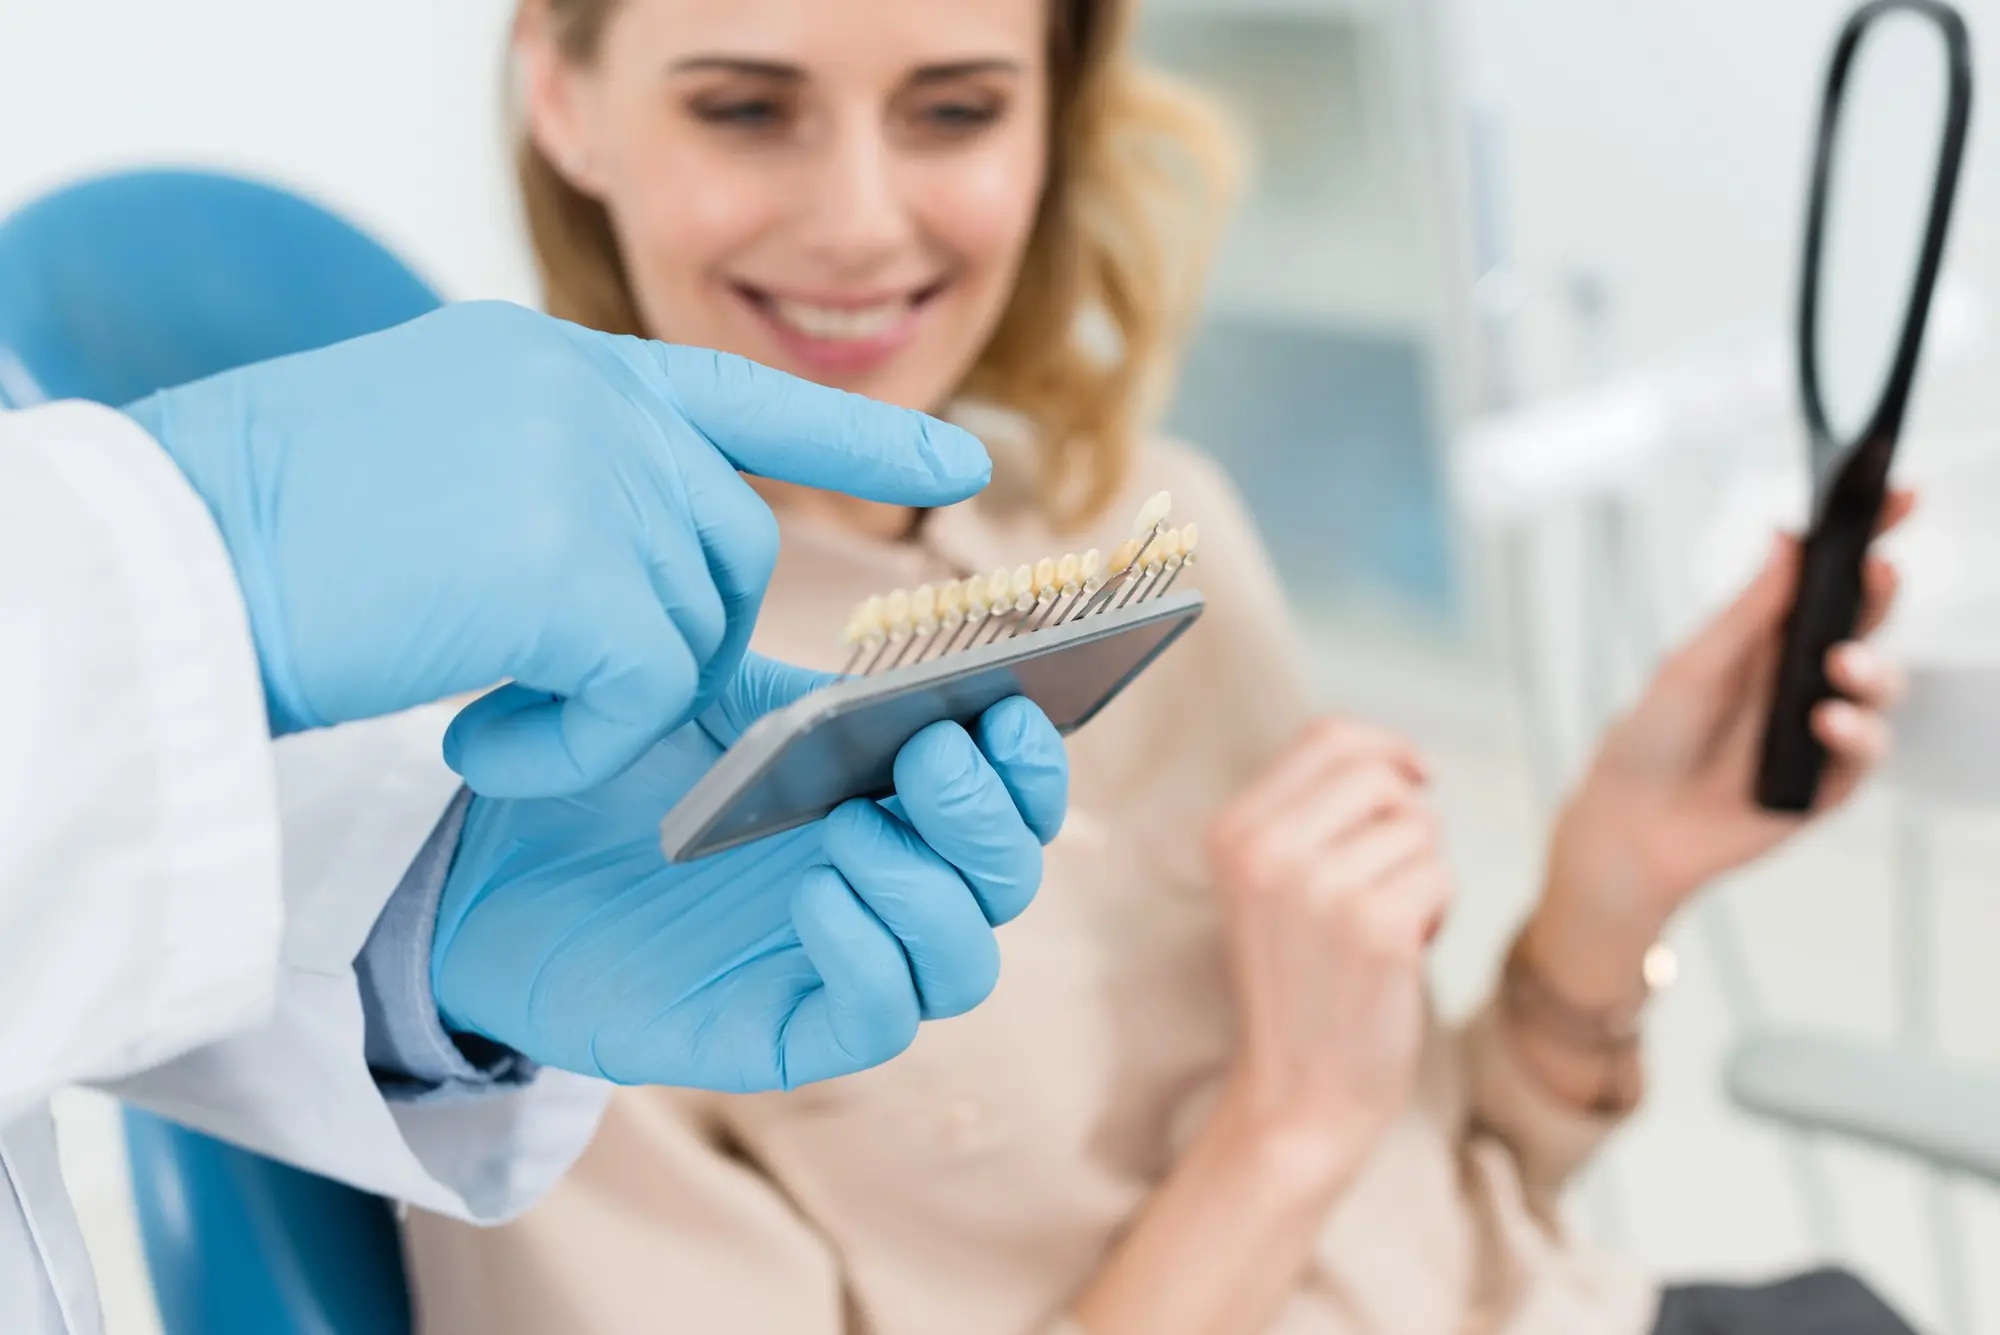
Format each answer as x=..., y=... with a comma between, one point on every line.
x=839, y=323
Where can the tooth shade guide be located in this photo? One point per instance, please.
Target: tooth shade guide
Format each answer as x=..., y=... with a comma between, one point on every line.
x=934, y=621
x=835, y=745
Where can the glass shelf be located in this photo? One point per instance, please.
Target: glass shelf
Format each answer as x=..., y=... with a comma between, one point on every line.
x=1329, y=226
x=1321, y=373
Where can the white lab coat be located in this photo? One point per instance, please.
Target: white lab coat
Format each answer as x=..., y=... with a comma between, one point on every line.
x=157, y=936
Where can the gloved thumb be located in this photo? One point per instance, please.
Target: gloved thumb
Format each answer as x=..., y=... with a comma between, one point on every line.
x=759, y=686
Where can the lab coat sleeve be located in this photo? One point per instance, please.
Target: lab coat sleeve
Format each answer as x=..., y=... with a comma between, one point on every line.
x=141, y=805
x=358, y=803
x=139, y=903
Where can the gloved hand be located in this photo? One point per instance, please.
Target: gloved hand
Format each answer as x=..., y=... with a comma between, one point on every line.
x=486, y=494
x=566, y=935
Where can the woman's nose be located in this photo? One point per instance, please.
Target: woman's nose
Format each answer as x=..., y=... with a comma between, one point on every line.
x=857, y=218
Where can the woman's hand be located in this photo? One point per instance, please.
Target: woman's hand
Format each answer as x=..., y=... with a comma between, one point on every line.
x=1668, y=802
x=1332, y=885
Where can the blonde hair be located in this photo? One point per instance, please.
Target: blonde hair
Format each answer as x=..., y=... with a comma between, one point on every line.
x=1141, y=173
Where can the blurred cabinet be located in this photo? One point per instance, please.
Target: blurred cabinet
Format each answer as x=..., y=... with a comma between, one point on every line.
x=1332, y=359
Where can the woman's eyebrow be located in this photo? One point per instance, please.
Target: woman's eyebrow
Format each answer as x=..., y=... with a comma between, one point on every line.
x=777, y=69
x=768, y=69
x=959, y=69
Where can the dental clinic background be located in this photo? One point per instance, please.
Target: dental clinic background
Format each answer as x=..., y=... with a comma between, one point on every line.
x=1499, y=351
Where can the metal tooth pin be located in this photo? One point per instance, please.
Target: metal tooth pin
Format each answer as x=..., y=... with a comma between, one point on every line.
x=1021, y=601
x=1126, y=560
x=1148, y=527
x=1001, y=589
x=1090, y=573
x=1068, y=583
x=999, y=602
x=1187, y=546
x=850, y=640
x=1023, y=588
x=1152, y=514
x=896, y=620
x=923, y=622
x=1044, y=591
x=1116, y=576
x=1169, y=564
x=1166, y=559
x=866, y=626
x=973, y=593
x=950, y=615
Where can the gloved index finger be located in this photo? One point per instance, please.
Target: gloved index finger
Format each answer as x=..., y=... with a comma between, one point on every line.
x=790, y=430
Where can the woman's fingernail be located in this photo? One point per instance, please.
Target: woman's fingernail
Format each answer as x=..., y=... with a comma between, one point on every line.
x=1843, y=721
x=1860, y=664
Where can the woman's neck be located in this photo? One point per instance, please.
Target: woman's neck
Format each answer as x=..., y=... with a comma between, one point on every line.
x=871, y=518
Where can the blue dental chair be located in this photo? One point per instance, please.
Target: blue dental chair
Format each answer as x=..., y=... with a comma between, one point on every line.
x=111, y=289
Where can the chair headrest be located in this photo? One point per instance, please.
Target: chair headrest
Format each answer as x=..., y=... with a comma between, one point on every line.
x=124, y=284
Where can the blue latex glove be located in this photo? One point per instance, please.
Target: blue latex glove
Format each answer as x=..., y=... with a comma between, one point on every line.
x=566, y=935
x=486, y=494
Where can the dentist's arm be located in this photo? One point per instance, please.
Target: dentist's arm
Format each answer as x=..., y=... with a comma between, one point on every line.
x=481, y=495
x=139, y=910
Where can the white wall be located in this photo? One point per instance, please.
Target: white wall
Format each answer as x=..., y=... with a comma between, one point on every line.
x=1661, y=142
x=1664, y=143
x=389, y=110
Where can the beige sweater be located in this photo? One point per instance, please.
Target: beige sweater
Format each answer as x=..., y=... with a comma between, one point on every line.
x=971, y=1186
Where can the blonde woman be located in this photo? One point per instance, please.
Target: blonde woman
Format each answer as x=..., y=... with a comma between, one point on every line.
x=1208, y=1094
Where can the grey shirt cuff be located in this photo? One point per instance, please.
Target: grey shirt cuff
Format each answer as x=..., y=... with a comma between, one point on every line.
x=411, y=1055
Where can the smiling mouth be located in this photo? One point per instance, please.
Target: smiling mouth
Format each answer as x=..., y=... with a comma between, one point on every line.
x=847, y=323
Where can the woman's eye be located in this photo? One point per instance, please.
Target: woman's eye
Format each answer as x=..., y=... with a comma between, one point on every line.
x=959, y=116
x=751, y=114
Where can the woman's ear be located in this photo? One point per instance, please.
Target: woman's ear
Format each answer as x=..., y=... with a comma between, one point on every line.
x=553, y=93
